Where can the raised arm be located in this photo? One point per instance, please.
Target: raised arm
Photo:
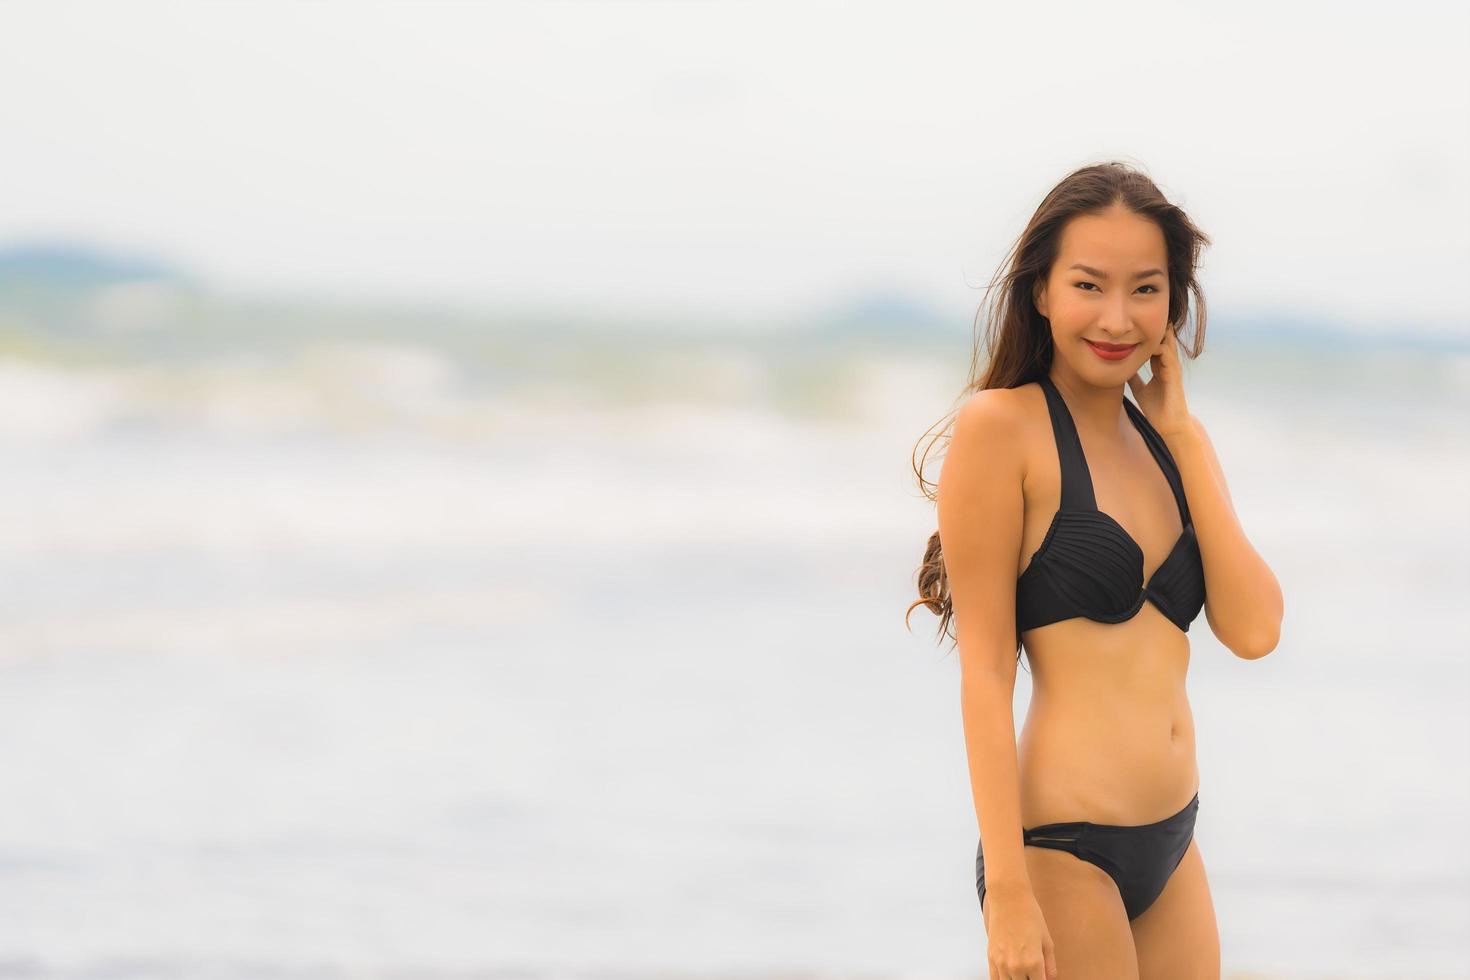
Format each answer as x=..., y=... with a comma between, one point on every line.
x=981, y=507
x=1243, y=602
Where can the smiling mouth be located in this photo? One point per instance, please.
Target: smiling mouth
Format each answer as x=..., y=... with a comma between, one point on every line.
x=1111, y=348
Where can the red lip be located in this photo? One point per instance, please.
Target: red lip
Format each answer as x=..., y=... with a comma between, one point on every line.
x=1111, y=352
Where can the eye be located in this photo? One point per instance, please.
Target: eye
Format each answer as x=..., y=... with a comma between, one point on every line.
x=1147, y=285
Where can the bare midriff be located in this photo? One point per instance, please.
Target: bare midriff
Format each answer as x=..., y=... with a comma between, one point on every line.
x=1109, y=736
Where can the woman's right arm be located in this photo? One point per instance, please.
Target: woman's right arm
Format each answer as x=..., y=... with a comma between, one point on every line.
x=981, y=506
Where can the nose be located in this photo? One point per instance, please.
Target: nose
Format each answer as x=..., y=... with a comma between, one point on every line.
x=1113, y=318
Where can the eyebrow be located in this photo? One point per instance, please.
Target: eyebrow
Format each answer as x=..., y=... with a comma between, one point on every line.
x=1103, y=275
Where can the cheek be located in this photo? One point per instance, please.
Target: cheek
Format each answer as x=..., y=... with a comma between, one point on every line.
x=1161, y=308
x=1067, y=308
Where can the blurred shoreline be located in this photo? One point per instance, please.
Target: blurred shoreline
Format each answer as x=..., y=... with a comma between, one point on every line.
x=78, y=357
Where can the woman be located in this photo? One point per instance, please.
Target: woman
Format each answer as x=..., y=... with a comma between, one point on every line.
x=1091, y=531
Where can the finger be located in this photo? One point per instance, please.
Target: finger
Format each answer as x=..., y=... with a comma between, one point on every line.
x=1171, y=343
x=1168, y=353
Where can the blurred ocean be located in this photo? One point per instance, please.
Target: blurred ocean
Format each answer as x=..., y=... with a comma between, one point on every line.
x=540, y=654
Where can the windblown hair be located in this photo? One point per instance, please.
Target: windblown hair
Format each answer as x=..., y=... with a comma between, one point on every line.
x=1017, y=339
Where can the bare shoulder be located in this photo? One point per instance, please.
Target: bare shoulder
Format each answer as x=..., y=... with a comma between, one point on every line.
x=995, y=424
x=994, y=411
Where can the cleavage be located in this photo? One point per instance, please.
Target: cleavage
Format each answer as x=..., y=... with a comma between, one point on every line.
x=1130, y=477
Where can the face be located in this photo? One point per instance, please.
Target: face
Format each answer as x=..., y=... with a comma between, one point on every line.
x=1120, y=299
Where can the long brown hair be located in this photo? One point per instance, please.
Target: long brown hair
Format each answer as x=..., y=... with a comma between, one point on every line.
x=1017, y=338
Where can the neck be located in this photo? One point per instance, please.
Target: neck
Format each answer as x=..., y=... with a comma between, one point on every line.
x=1092, y=408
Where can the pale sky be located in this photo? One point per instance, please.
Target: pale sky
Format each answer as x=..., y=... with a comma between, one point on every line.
x=713, y=159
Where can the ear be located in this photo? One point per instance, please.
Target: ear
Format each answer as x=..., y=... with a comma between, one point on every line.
x=1038, y=296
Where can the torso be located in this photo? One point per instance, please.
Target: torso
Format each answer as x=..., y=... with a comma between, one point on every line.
x=1109, y=735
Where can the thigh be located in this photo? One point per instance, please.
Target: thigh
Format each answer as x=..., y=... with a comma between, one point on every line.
x=1176, y=937
x=1084, y=914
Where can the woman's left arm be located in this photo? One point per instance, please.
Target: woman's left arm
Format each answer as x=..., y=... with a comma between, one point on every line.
x=1243, y=602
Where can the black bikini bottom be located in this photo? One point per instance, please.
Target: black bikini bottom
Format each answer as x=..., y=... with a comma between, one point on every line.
x=1139, y=858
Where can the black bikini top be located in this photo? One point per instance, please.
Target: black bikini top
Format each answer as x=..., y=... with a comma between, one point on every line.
x=1088, y=565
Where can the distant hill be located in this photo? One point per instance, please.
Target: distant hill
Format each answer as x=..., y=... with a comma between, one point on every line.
x=884, y=312
x=121, y=300
x=79, y=267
